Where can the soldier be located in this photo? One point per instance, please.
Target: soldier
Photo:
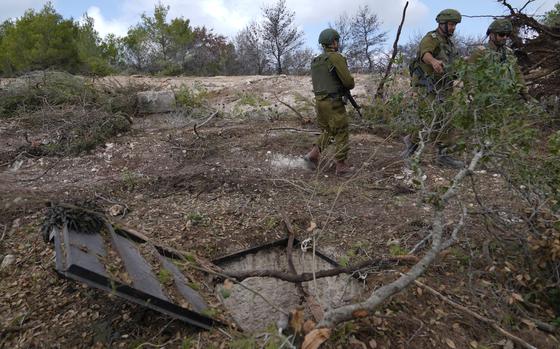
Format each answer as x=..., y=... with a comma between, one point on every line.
x=432, y=81
x=331, y=77
x=496, y=49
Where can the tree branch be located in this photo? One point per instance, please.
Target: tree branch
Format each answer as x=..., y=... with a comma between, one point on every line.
x=303, y=277
x=479, y=317
x=349, y=312
x=380, y=88
x=203, y=123
x=289, y=107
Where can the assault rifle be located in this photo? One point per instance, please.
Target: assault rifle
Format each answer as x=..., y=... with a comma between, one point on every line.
x=347, y=95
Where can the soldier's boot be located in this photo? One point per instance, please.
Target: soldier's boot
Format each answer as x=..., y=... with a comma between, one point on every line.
x=312, y=158
x=410, y=147
x=444, y=159
x=343, y=169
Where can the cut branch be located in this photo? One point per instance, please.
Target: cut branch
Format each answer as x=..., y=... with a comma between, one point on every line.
x=381, y=87
x=346, y=313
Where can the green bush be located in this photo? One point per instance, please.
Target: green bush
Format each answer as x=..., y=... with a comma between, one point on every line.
x=191, y=98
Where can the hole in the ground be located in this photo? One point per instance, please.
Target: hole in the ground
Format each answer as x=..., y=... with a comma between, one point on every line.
x=252, y=313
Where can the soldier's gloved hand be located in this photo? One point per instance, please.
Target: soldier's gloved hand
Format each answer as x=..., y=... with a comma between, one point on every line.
x=438, y=66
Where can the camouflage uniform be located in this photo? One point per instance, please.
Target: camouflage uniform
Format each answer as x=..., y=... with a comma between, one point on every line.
x=426, y=81
x=432, y=88
x=504, y=55
x=330, y=76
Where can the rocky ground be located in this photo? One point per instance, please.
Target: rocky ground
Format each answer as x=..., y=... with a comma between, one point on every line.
x=222, y=189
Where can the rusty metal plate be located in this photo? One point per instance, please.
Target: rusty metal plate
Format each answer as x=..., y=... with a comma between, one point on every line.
x=83, y=257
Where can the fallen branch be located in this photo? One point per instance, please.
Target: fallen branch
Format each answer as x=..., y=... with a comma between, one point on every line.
x=291, y=237
x=203, y=123
x=314, y=306
x=479, y=317
x=242, y=275
x=420, y=244
x=290, y=107
x=451, y=241
x=365, y=308
x=543, y=326
x=317, y=132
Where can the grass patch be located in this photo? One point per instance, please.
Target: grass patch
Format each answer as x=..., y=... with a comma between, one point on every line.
x=165, y=277
x=397, y=250
x=252, y=100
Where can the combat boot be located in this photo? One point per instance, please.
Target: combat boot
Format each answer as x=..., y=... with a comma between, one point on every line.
x=444, y=159
x=410, y=147
x=312, y=158
x=343, y=169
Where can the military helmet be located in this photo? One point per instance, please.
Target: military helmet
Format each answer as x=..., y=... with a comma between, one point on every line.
x=327, y=36
x=449, y=15
x=500, y=26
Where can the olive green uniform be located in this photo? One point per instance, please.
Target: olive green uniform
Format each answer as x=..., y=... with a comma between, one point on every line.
x=330, y=77
x=504, y=55
x=430, y=86
x=423, y=75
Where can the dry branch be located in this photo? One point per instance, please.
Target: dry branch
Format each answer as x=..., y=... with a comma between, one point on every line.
x=289, y=107
x=381, y=87
x=291, y=237
x=315, y=307
x=241, y=275
x=204, y=123
x=479, y=317
x=317, y=132
x=346, y=313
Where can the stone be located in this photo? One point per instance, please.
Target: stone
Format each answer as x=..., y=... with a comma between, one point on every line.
x=7, y=261
x=154, y=102
x=116, y=210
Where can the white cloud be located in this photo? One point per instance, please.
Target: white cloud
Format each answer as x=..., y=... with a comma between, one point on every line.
x=389, y=12
x=104, y=26
x=16, y=8
x=227, y=17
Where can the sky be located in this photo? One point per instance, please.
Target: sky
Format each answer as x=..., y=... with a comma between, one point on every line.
x=227, y=17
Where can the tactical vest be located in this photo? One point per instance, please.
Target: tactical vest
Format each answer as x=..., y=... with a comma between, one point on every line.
x=445, y=52
x=324, y=78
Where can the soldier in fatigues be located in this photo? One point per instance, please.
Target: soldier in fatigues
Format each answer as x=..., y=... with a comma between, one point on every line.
x=331, y=77
x=496, y=50
x=433, y=82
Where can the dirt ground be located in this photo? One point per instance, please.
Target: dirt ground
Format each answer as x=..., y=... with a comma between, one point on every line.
x=222, y=190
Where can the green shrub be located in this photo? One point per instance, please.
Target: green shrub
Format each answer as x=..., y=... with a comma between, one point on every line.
x=191, y=97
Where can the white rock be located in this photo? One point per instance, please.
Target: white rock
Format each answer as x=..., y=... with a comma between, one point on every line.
x=116, y=210
x=16, y=165
x=7, y=261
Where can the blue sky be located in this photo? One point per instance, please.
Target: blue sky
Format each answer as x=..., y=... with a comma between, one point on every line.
x=227, y=17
